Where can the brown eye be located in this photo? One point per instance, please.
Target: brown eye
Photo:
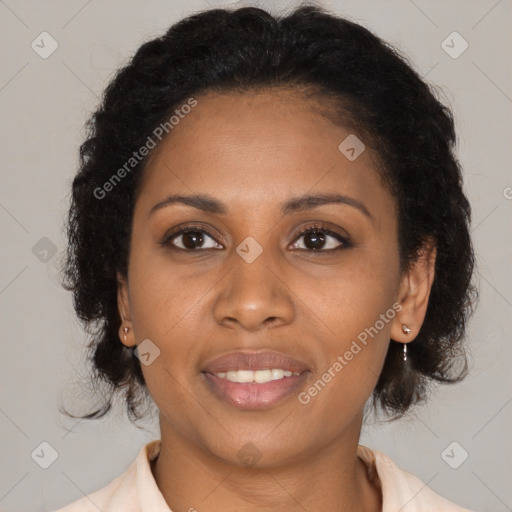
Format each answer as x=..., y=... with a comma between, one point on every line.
x=191, y=239
x=321, y=239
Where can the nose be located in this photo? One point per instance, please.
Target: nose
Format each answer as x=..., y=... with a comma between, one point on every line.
x=253, y=296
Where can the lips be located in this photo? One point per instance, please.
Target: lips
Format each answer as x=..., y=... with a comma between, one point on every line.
x=253, y=396
x=254, y=361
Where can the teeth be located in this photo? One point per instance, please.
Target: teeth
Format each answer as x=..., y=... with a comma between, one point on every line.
x=258, y=376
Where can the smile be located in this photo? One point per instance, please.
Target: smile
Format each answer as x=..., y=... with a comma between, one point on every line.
x=258, y=376
x=254, y=390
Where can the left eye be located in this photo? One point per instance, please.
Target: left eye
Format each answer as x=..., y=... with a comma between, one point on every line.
x=317, y=239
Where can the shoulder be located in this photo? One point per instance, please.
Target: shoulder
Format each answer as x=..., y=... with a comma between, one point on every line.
x=402, y=490
x=123, y=492
x=105, y=498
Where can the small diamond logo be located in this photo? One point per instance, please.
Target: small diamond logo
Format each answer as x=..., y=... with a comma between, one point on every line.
x=454, y=455
x=44, y=250
x=454, y=45
x=44, y=45
x=351, y=147
x=147, y=352
x=45, y=455
x=249, y=455
x=249, y=249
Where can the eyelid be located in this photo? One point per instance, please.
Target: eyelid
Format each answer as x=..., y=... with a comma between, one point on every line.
x=175, y=232
x=345, y=240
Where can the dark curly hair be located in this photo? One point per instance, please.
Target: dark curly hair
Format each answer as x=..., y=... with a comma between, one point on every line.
x=375, y=91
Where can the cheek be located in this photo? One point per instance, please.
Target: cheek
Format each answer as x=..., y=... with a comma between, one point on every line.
x=354, y=296
x=161, y=294
x=164, y=307
x=168, y=307
x=356, y=307
x=358, y=315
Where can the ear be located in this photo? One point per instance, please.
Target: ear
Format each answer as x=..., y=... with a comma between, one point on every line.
x=123, y=306
x=414, y=291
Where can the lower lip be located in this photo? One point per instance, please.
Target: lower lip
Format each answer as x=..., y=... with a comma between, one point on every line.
x=254, y=396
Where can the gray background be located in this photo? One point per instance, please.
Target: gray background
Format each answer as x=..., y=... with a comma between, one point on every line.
x=44, y=104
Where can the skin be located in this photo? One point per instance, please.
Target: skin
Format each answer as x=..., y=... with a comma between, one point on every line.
x=254, y=151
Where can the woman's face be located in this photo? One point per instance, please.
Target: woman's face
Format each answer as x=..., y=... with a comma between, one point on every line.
x=252, y=284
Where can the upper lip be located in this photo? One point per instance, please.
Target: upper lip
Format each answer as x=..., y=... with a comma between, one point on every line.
x=244, y=360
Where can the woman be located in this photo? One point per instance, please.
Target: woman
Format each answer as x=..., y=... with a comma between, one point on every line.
x=268, y=231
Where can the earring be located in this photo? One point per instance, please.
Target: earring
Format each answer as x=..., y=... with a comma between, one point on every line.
x=125, y=333
x=405, y=330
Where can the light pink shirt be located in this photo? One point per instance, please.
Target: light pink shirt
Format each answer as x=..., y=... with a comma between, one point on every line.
x=136, y=490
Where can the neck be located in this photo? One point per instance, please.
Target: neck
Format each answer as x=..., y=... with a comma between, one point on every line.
x=332, y=478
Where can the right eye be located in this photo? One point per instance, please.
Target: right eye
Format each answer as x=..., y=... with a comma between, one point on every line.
x=191, y=238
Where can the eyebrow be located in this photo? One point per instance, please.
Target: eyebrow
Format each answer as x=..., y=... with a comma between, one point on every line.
x=209, y=204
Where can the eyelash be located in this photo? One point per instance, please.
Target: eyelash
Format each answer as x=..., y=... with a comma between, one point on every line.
x=316, y=228
x=320, y=228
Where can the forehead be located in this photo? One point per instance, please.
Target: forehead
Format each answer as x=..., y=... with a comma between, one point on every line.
x=255, y=146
